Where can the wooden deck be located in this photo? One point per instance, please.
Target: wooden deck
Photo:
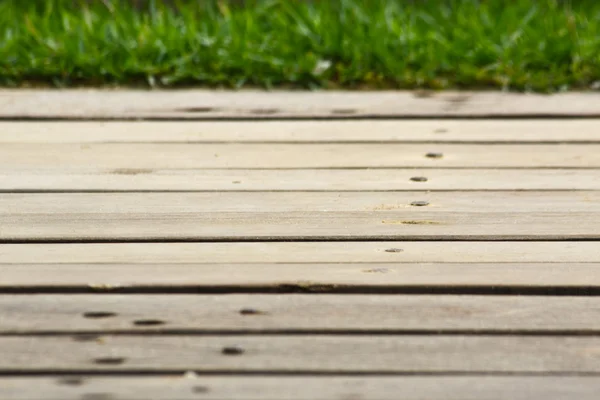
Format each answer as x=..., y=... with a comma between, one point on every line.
x=299, y=246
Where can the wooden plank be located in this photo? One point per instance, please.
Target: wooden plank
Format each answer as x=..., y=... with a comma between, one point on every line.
x=272, y=216
x=328, y=131
x=191, y=387
x=206, y=104
x=399, y=277
x=568, y=253
x=299, y=226
x=151, y=156
x=84, y=179
x=303, y=353
x=62, y=314
x=387, y=203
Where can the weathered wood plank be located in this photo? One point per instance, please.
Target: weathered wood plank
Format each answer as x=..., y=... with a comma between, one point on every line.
x=386, y=203
x=317, y=277
x=299, y=226
x=355, y=131
x=36, y=314
x=82, y=179
x=190, y=387
x=119, y=156
x=301, y=252
x=205, y=104
x=255, y=216
x=304, y=353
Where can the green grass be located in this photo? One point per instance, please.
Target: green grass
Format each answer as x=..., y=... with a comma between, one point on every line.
x=543, y=45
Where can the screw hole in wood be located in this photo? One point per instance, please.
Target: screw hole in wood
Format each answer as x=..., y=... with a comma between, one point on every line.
x=99, y=314
x=148, y=322
x=109, y=360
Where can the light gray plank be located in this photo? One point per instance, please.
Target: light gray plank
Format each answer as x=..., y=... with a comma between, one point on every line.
x=309, y=277
x=306, y=202
x=327, y=131
x=36, y=314
x=203, y=104
x=191, y=387
x=262, y=216
x=87, y=179
x=299, y=226
x=119, y=156
x=309, y=353
x=403, y=252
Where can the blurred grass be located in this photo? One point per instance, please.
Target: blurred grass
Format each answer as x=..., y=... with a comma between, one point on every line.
x=544, y=45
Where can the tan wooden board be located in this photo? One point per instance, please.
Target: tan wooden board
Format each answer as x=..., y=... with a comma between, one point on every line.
x=300, y=226
x=151, y=156
x=258, y=216
x=194, y=387
x=568, y=253
x=263, y=203
x=303, y=353
x=61, y=314
x=81, y=179
x=204, y=104
x=353, y=131
x=317, y=277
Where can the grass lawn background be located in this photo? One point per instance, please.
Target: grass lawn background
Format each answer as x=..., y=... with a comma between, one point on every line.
x=544, y=45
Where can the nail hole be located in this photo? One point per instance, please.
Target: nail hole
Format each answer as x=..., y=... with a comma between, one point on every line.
x=197, y=109
x=394, y=250
x=418, y=179
x=148, y=322
x=98, y=315
x=131, y=171
x=86, y=338
x=377, y=270
x=232, y=351
x=343, y=111
x=97, y=396
x=423, y=94
x=264, y=111
x=70, y=381
x=250, y=311
x=419, y=203
x=109, y=360
x=200, y=389
x=434, y=155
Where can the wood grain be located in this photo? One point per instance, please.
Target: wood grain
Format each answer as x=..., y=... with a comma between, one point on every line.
x=274, y=216
x=305, y=353
x=119, y=156
x=328, y=131
x=400, y=252
x=130, y=180
x=37, y=314
x=206, y=104
x=193, y=387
